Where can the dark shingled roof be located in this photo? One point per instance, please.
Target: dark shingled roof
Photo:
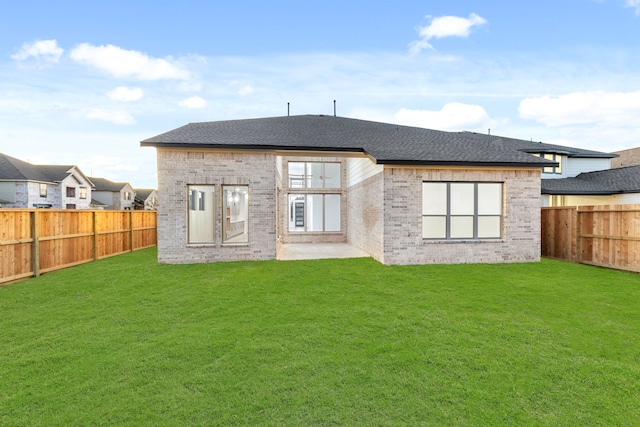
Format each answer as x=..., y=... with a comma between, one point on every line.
x=610, y=181
x=143, y=193
x=540, y=147
x=386, y=143
x=12, y=169
x=103, y=184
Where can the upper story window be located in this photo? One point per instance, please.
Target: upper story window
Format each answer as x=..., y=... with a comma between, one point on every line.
x=43, y=190
x=553, y=157
x=314, y=175
x=127, y=195
x=71, y=191
x=83, y=192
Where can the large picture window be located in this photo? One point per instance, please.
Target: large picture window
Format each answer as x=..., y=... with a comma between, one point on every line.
x=314, y=175
x=461, y=210
x=235, y=221
x=201, y=214
x=314, y=212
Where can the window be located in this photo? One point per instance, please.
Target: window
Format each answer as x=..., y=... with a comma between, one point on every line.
x=70, y=206
x=127, y=195
x=314, y=212
x=553, y=157
x=71, y=191
x=235, y=221
x=83, y=192
x=314, y=175
x=43, y=190
x=201, y=215
x=461, y=210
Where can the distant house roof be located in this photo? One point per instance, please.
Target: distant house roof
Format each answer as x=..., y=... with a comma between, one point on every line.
x=98, y=203
x=143, y=193
x=540, y=147
x=103, y=184
x=386, y=143
x=606, y=182
x=12, y=169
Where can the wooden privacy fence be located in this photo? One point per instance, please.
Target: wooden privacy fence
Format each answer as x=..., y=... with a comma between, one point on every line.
x=35, y=241
x=606, y=236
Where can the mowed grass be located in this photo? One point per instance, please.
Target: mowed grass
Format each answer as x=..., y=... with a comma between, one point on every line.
x=125, y=341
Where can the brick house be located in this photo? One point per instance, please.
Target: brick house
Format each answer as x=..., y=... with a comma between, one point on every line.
x=238, y=189
x=24, y=185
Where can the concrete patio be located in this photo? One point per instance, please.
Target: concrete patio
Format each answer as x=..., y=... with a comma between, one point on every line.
x=299, y=251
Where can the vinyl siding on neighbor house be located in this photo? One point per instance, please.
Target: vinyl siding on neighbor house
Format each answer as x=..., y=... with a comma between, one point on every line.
x=576, y=166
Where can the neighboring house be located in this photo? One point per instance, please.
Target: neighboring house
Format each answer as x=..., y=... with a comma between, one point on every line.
x=236, y=190
x=630, y=157
x=614, y=185
x=607, y=187
x=146, y=199
x=113, y=195
x=23, y=185
x=571, y=162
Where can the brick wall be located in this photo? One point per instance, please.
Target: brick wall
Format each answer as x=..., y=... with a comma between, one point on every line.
x=365, y=216
x=403, y=243
x=177, y=169
x=630, y=157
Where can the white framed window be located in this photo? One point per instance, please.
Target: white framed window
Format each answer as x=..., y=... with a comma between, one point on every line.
x=314, y=175
x=83, y=192
x=235, y=214
x=70, y=191
x=462, y=210
x=314, y=212
x=43, y=190
x=201, y=214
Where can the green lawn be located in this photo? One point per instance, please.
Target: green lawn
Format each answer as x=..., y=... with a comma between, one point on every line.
x=125, y=341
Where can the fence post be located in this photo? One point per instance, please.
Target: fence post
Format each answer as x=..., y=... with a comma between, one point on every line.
x=95, y=235
x=578, y=235
x=35, y=244
x=131, y=230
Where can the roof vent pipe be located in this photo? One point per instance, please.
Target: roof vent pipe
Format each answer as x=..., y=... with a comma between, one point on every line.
x=287, y=109
x=334, y=108
x=489, y=131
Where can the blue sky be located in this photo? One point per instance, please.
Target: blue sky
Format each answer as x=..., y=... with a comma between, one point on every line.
x=83, y=82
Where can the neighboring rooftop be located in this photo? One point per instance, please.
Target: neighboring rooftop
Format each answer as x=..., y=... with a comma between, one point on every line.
x=103, y=184
x=386, y=143
x=12, y=169
x=606, y=182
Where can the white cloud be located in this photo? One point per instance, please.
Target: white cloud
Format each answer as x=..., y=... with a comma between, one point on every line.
x=124, y=63
x=47, y=50
x=193, y=102
x=454, y=116
x=445, y=26
x=116, y=117
x=634, y=4
x=125, y=94
x=576, y=108
x=245, y=90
